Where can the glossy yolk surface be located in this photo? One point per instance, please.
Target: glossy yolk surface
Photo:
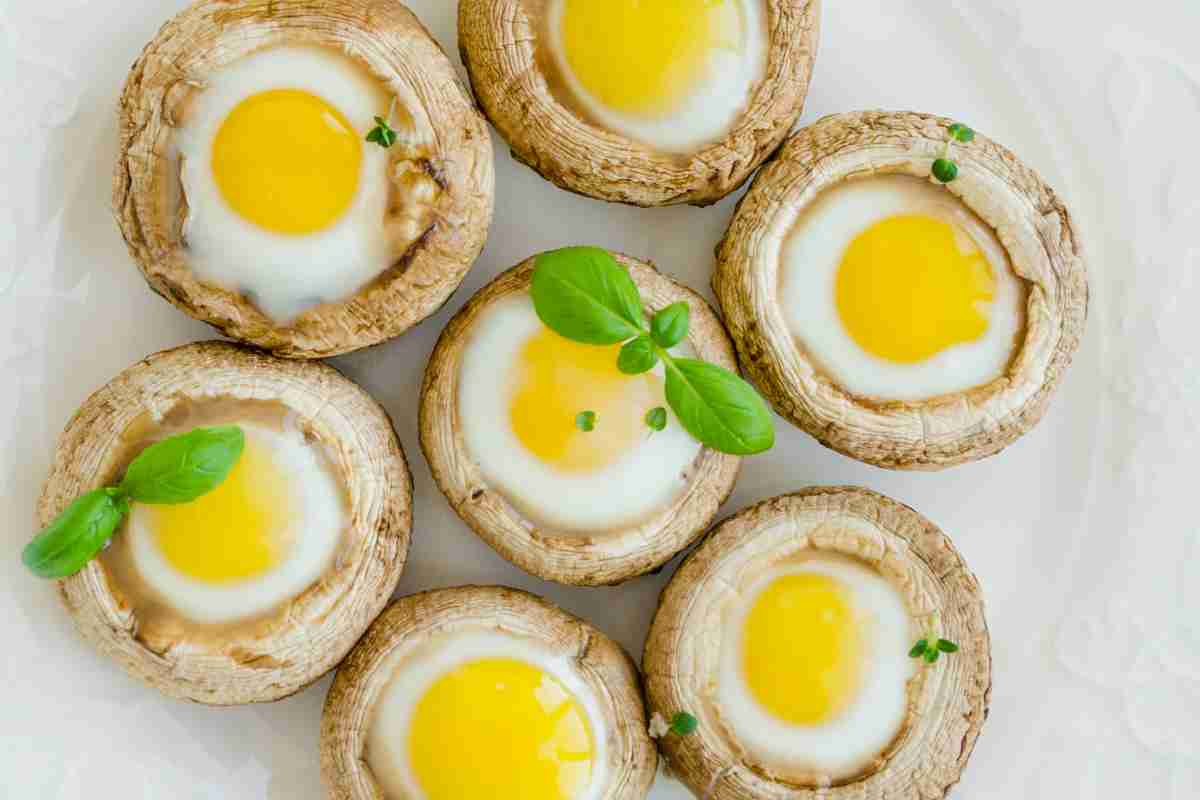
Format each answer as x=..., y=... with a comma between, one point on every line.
x=911, y=286
x=643, y=56
x=238, y=530
x=801, y=648
x=556, y=380
x=500, y=727
x=287, y=161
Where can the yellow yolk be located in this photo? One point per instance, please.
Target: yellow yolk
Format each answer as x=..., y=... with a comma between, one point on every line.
x=801, y=648
x=287, y=161
x=500, y=728
x=236, y=531
x=911, y=286
x=643, y=56
x=556, y=380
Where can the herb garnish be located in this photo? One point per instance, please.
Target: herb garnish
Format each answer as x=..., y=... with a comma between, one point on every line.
x=583, y=294
x=932, y=646
x=176, y=470
x=656, y=418
x=683, y=723
x=586, y=421
x=382, y=134
x=944, y=168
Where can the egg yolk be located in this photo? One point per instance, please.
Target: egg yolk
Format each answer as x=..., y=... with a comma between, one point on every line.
x=801, y=648
x=911, y=286
x=500, y=727
x=556, y=380
x=237, y=531
x=287, y=161
x=643, y=56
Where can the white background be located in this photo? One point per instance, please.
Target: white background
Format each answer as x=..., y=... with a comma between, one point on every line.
x=1083, y=534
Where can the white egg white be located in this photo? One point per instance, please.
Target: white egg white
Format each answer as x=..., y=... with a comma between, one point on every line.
x=647, y=478
x=717, y=98
x=843, y=746
x=317, y=516
x=414, y=671
x=284, y=275
x=808, y=268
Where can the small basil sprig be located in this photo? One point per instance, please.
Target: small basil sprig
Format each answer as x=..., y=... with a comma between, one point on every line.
x=583, y=294
x=383, y=134
x=945, y=169
x=931, y=646
x=176, y=470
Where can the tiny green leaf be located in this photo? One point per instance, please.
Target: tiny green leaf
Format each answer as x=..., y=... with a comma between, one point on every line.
x=945, y=170
x=637, y=356
x=947, y=646
x=76, y=535
x=586, y=421
x=961, y=132
x=669, y=326
x=683, y=723
x=931, y=655
x=181, y=468
x=382, y=134
x=583, y=294
x=656, y=418
x=918, y=649
x=718, y=408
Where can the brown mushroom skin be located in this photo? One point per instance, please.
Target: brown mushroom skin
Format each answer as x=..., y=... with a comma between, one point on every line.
x=1030, y=220
x=948, y=701
x=602, y=663
x=314, y=631
x=498, y=41
x=582, y=560
x=392, y=44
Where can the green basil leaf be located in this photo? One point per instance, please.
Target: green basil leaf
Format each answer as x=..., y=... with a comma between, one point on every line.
x=669, y=326
x=683, y=723
x=931, y=655
x=718, y=408
x=947, y=646
x=637, y=356
x=586, y=421
x=181, y=468
x=656, y=418
x=583, y=294
x=919, y=649
x=76, y=535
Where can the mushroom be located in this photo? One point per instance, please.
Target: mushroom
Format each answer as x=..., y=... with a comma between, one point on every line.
x=276, y=653
x=427, y=631
x=585, y=558
x=526, y=88
x=436, y=190
x=1026, y=216
x=947, y=701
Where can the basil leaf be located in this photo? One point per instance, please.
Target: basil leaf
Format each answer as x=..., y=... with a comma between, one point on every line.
x=181, y=468
x=76, y=535
x=718, y=408
x=637, y=356
x=919, y=649
x=669, y=326
x=656, y=418
x=683, y=723
x=931, y=655
x=583, y=294
x=947, y=646
x=586, y=421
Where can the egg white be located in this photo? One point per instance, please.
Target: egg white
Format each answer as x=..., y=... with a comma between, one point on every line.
x=844, y=745
x=808, y=268
x=648, y=477
x=284, y=275
x=415, y=671
x=318, y=520
x=715, y=101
